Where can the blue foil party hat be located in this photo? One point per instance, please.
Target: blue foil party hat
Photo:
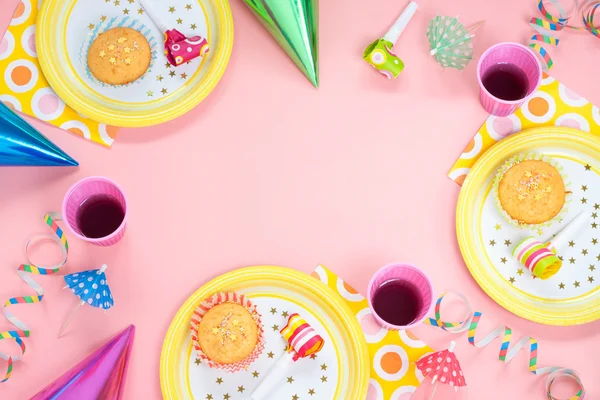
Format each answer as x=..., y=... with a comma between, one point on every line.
x=22, y=145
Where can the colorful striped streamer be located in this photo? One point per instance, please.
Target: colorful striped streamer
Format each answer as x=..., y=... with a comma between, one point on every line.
x=471, y=321
x=545, y=28
x=24, y=272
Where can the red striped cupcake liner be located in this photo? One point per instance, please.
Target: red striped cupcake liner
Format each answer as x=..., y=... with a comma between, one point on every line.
x=202, y=309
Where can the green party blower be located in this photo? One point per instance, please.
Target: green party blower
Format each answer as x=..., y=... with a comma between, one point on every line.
x=379, y=53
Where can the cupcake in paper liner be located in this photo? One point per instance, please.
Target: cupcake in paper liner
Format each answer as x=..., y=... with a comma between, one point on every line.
x=118, y=52
x=227, y=332
x=531, y=191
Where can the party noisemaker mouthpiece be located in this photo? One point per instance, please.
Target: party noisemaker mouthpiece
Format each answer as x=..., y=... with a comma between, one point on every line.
x=303, y=341
x=379, y=53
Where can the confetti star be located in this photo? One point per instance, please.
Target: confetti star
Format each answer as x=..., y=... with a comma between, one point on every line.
x=588, y=167
x=528, y=174
x=507, y=242
x=576, y=284
x=168, y=65
x=140, y=10
x=498, y=227
x=179, y=21
x=241, y=389
x=171, y=10
x=219, y=381
x=549, y=189
x=572, y=260
x=163, y=91
x=571, y=243
x=226, y=396
x=295, y=397
x=235, y=322
x=503, y=260
x=520, y=271
x=583, y=200
x=233, y=338
x=538, y=197
x=197, y=361
x=313, y=356
x=290, y=379
x=193, y=26
x=183, y=76
x=117, y=2
x=592, y=267
x=126, y=11
x=584, y=252
x=128, y=61
x=323, y=367
x=284, y=314
x=275, y=328
x=127, y=49
x=590, y=279
x=271, y=354
x=540, y=232
x=121, y=39
x=131, y=1
x=323, y=379
x=492, y=243
x=311, y=391
x=150, y=93
x=172, y=74
x=112, y=60
x=521, y=197
x=102, y=54
x=91, y=26
x=561, y=285
x=273, y=311
x=159, y=78
x=561, y=258
x=594, y=225
x=594, y=215
x=103, y=18
x=111, y=47
x=255, y=374
x=596, y=206
x=598, y=257
x=209, y=397
x=188, y=6
x=584, y=188
x=107, y=1
x=511, y=280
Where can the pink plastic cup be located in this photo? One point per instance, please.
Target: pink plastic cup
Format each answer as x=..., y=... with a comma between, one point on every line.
x=84, y=189
x=410, y=274
x=517, y=55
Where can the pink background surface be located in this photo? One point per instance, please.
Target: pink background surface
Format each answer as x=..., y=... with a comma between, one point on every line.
x=269, y=170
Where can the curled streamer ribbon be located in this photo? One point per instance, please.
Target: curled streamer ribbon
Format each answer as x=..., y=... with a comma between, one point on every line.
x=24, y=271
x=546, y=28
x=470, y=323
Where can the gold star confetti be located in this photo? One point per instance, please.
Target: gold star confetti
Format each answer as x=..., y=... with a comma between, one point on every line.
x=323, y=367
x=511, y=280
x=549, y=189
x=233, y=338
x=226, y=396
x=171, y=10
x=215, y=330
x=492, y=243
x=172, y=74
x=561, y=285
x=594, y=215
x=163, y=91
x=270, y=354
x=107, y=1
x=117, y=2
x=111, y=47
x=126, y=11
x=188, y=6
x=540, y=232
x=503, y=260
x=140, y=11
x=255, y=374
x=313, y=356
x=588, y=167
x=290, y=379
x=498, y=227
x=311, y=391
x=592, y=267
x=571, y=243
x=295, y=397
x=594, y=225
x=520, y=271
x=583, y=200
x=127, y=49
x=584, y=252
x=561, y=258
x=128, y=61
x=572, y=260
x=102, y=54
x=590, y=279
x=131, y=1
x=596, y=206
x=273, y=311
x=241, y=389
x=598, y=257
x=219, y=381
x=112, y=60
x=168, y=65
x=209, y=397
x=150, y=94
x=91, y=26
x=528, y=174
x=521, y=197
x=179, y=21
x=594, y=241
x=576, y=284
x=122, y=39
x=323, y=379
x=198, y=361
x=183, y=76
x=507, y=242
x=584, y=188
x=193, y=26
x=235, y=322
x=537, y=197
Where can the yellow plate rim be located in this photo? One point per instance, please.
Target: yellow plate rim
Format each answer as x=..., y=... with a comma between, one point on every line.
x=265, y=272
x=110, y=116
x=483, y=167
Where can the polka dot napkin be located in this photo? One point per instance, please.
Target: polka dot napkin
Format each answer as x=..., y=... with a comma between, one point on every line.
x=24, y=88
x=553, y=104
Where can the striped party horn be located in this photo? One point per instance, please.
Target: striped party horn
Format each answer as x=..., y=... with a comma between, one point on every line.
x=540, y=258
x=303, y=341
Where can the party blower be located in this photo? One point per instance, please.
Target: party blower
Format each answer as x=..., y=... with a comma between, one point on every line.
x=179, y=49
x=541, y=259
x=379, y=53
x=303, y=341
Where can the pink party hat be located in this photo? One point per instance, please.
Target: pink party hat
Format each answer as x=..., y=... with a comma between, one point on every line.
x=100, y=376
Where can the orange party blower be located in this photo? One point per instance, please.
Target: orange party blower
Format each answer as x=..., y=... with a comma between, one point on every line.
x=303, y=341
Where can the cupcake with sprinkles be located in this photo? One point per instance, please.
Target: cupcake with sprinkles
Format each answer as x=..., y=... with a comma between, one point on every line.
x=531, y=191
x=227, y=332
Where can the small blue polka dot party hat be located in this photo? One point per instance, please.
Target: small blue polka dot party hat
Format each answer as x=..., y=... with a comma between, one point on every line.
x=92, y=288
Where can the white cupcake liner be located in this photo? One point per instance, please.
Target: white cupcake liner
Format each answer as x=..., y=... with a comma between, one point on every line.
x=116, y=22
x=524, y=157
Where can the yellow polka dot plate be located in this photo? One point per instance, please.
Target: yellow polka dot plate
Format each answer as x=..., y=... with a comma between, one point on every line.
x=340, y=371
x=66, y=28
x=487, y=240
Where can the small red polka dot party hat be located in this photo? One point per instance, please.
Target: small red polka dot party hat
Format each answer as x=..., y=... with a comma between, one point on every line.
x=442, y=368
